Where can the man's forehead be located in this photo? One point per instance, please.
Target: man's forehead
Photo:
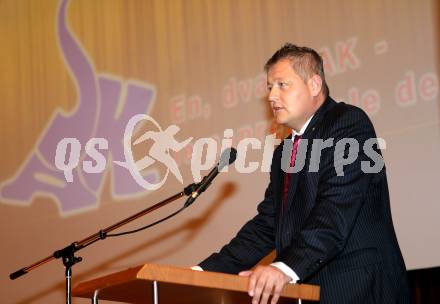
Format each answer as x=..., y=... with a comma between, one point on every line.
x=281, y=70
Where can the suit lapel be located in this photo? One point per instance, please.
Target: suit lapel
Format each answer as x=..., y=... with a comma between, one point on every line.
x=305, y=145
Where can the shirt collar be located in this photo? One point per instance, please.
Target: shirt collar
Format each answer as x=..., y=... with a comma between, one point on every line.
x=303, y=129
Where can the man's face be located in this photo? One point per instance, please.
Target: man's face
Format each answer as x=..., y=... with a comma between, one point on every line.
x=291, y=99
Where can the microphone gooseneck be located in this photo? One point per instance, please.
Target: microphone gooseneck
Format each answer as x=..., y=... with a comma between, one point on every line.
x=227, y=157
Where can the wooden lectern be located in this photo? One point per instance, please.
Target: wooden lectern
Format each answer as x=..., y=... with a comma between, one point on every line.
x=151, y=283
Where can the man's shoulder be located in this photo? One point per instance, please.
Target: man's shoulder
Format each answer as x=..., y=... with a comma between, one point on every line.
x=340, y=109
x=342, y=114
x=334, y=115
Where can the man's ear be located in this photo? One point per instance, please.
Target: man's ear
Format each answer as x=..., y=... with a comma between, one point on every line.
x=315, y=85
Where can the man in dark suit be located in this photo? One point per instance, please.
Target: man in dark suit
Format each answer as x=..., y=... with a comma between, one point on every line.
x=329, y=222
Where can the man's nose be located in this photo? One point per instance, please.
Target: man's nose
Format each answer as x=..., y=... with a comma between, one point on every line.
x=274, y=94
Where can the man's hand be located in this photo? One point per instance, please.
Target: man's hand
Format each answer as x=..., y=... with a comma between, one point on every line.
x=264, y=281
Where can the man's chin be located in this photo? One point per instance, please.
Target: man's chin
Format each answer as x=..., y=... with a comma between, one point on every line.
x=283, y=122
x=280, y=120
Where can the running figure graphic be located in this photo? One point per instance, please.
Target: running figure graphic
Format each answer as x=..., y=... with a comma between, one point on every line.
x=159, y=151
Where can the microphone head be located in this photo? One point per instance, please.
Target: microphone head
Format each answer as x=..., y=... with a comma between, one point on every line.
x=227, y=157
x=232, y=155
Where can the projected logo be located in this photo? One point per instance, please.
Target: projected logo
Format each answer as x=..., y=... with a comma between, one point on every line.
x=104, y=106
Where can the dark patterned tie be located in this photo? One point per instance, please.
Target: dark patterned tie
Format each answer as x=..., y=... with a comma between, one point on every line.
x=287, y=176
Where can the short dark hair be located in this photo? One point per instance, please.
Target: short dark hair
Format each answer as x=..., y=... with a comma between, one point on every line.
x=305, y=61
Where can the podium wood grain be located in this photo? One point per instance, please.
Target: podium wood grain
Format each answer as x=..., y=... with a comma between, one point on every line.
x=180, y=285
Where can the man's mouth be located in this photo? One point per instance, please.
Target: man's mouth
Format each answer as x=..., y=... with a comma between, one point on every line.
x=277, y=108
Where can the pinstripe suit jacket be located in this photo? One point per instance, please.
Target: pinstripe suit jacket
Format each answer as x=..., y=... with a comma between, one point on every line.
x=336, y=231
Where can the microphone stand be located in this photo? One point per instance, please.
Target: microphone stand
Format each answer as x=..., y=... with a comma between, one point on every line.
x=67, y=254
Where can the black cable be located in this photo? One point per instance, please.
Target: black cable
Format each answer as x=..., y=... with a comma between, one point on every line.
x=147, y=226
x=188, y=190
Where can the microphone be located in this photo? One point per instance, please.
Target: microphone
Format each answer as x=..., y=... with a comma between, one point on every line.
x=227, y=157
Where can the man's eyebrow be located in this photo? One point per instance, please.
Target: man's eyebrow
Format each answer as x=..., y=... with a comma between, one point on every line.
x=279, y=78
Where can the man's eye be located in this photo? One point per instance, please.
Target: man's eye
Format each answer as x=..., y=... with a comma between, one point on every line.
x=283, y=85
x=269, y=87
